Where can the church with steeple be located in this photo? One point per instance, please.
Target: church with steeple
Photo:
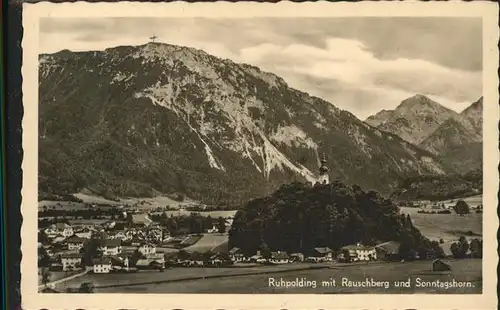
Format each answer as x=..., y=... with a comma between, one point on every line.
x=324, y=178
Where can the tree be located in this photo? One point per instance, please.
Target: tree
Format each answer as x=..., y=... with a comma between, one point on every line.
x=172, y=225
x=459, y=249
x=464, y=245
x=264, y=250
x=46, y=275
x=208, y=222
x=461, y=208
x=130, y=219
x=43, y=257
x=221, y=225
x=89, y=252
x=476, y=248
x=42, y=237
x=298, y=217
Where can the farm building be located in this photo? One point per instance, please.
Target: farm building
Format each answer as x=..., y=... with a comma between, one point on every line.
x=439, y=265
x=322, y=252
x=279, y=257
x=388, y=250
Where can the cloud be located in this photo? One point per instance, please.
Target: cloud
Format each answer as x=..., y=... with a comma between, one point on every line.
x=348, y=74
x=361, y=65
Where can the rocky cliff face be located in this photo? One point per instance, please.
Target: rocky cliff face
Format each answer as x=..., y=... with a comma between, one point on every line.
x=458, y=140
x=137, y=120
x=455, y=138
x=413, y=120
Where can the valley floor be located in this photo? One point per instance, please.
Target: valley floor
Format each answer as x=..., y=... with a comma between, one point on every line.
x=256, y=279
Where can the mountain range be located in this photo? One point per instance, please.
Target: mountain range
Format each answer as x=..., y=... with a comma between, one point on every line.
x=454, y=138
x=158, y=118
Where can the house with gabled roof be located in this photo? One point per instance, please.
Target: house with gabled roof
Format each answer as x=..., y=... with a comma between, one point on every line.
x=58, y=238
x=71, y=261
x=388, y=250
x=236, y=255
x=101, y=265
x=84, y=233
x=147, y=248
x=59, y=229
x=109, y=246
x=323, y=252
x=359, y=252
x=75, y=243
x=279, y=257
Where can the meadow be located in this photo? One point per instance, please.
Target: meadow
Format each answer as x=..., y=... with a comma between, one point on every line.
x=256, y=279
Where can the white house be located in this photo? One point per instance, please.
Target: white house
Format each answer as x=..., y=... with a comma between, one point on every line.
x=359, y=252
x=109, y=247
x=147, y=249
x=212, y=230
x=102, y=265
x=75, y=243
x=71, y=261
x=59, y=229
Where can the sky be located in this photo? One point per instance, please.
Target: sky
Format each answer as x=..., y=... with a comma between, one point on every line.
x=360, y=64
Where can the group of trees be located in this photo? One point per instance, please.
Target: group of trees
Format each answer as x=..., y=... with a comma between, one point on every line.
x=462, y=248
x=298, y=218
x=414, y=245
x=461, y=208
x=439, y=187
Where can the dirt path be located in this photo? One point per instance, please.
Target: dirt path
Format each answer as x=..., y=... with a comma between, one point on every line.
x=64, y=279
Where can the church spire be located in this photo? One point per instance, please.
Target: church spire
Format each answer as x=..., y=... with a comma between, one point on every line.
x=323, y=171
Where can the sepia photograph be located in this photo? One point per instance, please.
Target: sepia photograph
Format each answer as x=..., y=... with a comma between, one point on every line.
x=206, y=154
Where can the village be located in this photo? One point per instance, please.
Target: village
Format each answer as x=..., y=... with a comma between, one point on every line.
x=143, y=245
x=101, y=248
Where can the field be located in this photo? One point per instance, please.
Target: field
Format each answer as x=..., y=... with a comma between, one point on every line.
x=473, y=201
x=445, y=226
x=448, y=227
x=256, y=279
x=55, y=275
x=207, y=242
x=88, y=198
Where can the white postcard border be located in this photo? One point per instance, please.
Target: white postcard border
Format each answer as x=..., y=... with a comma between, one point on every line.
x=31, y=299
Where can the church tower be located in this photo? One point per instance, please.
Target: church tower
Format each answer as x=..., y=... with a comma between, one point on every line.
x=323, y=172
